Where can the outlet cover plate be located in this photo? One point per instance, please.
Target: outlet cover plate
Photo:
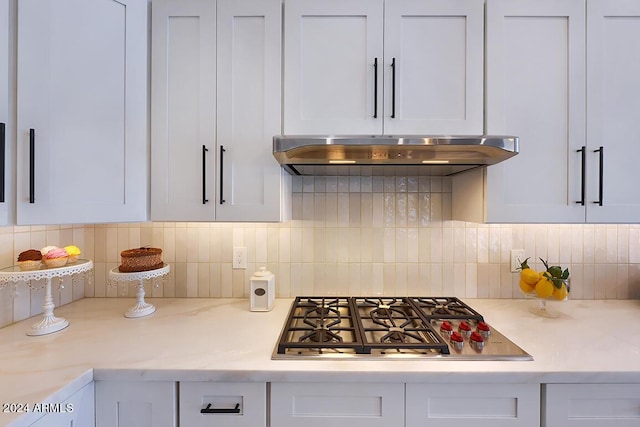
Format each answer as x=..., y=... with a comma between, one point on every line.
x=239, y=257
x=517, y=256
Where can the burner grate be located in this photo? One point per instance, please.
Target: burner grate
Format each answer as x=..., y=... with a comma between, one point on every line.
x=445, y=308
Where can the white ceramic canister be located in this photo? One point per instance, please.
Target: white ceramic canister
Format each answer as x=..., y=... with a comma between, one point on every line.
x=263, y=290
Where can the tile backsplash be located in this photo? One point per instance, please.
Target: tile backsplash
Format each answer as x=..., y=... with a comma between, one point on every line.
x=348, y=236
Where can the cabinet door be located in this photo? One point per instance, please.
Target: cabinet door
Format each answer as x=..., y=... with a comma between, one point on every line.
x=337, y=405
x=183, y=112
x=136, y=404
x=535, y=89
x=613, y=109
x=249, y=36
x=591, y=405
x=481, y=405
x=250, y=398
x=330, y=51
x=435, y=49
x=77, y=410
x=5, y=145
x=82, y=88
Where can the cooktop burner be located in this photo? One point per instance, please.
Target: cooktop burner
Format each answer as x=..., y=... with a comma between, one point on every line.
x=379, y=327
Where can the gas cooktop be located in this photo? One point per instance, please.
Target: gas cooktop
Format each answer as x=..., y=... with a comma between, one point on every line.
x=390, y=327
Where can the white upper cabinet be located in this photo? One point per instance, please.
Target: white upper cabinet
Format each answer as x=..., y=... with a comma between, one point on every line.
x=333, y=66
x=82, y=145
x=5, y=145
x=563, y=77
x=535, y=89
x=433, y=71
x=613, y=111
x=216, y=104
x=383, y=66
x=183, y=110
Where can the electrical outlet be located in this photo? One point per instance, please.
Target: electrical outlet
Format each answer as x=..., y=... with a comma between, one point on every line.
x=517, y=256
x=239, y=257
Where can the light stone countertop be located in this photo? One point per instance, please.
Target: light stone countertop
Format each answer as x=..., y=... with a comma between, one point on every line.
x=221, y=340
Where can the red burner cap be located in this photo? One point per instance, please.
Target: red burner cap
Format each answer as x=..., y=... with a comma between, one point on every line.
x=476, y=337
x=446, y=326
x=464, y=326
x=456, y=337
x=483, y=326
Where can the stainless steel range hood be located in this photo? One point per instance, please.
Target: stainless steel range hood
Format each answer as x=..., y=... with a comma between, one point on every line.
x=390, y=155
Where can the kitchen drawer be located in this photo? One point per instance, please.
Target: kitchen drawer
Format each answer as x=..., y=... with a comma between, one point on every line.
x=337, y=404
x=229, y=404
x=591, y=405
x=480, y=405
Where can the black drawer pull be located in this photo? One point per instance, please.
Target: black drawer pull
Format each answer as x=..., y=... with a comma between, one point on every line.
x=204, y=174
x=222, y=151
x=210, y=410
x=32, y=165
x=393, y=88
x=2, y=159
x=583, y=174
x=375, y=88
x=600, y=175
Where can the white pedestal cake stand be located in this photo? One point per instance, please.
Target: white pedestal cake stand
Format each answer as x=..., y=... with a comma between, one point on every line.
x=49, y=323
x=141, y=308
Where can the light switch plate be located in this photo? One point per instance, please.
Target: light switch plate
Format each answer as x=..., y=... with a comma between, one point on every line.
x=517, y=256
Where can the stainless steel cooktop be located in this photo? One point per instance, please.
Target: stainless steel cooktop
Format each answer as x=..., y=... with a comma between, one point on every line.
x=391, y=328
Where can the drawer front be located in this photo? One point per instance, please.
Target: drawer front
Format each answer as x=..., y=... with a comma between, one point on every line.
x=224, y=404
x=591, y=405
x=480, y=405
x=337, y=405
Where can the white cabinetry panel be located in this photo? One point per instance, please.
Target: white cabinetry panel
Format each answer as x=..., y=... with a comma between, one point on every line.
x=384, y=66
x=250, y=398
x=82, y=88
x=76, y=411
x=136, y=404
x=6, y=145
x=216, y=104
x=336, y=404
x=570, y=92
x=481, y=405
x=330, y=48
x=437, y=50
x=613, y=109
x=591, y=405
x=535, y=89
x=183, y=114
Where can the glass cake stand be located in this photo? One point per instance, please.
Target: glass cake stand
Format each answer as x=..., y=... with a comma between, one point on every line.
x=142, y=308
x=49, y=323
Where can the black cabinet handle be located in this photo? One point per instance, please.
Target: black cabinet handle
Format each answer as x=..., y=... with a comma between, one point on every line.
x=375, y=88
x=601, y=175
x=210, y=410
x=393, y=88
x=204, y=174
x=32, y=165
x=222, y=150
x=583, y=174
x=3, y=139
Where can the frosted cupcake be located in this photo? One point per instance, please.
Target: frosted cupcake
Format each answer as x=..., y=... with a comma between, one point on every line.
x=74, y=253
x=55, y=258
x=29, y=260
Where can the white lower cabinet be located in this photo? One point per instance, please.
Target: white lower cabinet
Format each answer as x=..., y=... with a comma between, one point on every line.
x=591, y=405
x=337, y=404
x=136, y=404
x=479, y=405
x=76, y=411
x=223, y=404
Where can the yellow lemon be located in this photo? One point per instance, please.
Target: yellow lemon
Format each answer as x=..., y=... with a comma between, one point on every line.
x=529, y=275
x=560, y=293
x=526, y=287
x=544, y=288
